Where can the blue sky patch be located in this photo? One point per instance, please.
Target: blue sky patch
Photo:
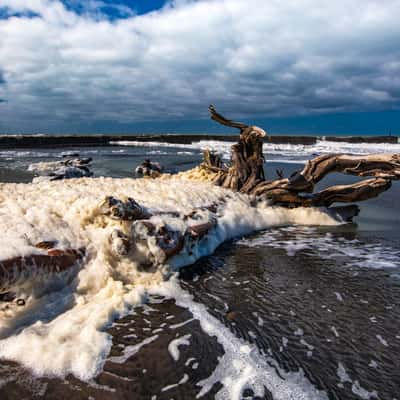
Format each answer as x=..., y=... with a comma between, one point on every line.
x=5, y=13
x=114, y=9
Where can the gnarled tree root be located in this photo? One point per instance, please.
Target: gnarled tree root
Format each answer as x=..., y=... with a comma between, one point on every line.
x=245, y=173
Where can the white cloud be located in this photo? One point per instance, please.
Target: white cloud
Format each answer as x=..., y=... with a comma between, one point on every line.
x=248, y=57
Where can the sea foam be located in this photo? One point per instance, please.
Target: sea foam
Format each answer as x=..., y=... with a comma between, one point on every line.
x=62, y=329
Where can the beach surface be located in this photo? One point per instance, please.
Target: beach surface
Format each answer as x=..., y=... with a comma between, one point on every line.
x=293, y=305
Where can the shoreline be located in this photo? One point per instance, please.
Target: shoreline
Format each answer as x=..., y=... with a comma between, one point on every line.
x=32, y=141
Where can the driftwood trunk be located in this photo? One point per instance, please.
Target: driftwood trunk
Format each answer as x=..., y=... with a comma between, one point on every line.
x=246, y=174
x=19, y=269
x=139, y=229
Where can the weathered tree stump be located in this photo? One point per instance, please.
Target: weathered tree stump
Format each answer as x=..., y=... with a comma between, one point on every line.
x=247, y=158
x=246, y=174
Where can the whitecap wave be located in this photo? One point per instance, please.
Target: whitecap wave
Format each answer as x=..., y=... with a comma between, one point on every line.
x=278, y=152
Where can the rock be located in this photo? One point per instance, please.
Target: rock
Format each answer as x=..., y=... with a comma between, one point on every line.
x=231, y=315
x=69, y=173
x=148, y=168
x=20, y=302
x=65, y=169
x=68, y=154
x=127, y=210
x=77, y=162
x=120, y=243
x=162, y=241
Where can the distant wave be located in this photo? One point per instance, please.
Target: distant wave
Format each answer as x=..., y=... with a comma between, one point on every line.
x=283, y=152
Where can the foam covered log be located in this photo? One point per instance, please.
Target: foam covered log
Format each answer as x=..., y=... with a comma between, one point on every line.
x=18, y=269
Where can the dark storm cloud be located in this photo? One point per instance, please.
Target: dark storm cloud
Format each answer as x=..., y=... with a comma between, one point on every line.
x=251, y=58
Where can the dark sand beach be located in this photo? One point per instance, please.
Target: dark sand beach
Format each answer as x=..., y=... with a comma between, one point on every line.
x=199, y=199
x=319, y=305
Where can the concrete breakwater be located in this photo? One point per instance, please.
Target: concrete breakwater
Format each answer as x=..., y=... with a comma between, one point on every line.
x=33, y=141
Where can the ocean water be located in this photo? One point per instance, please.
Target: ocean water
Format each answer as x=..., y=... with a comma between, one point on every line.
x=304, y=308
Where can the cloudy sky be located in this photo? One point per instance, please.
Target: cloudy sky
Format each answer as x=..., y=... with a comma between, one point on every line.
x=314, y=66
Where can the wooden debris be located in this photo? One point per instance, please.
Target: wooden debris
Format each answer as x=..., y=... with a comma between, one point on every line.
x=200, y=230
x=17, y=269
x=245, y=173
x=46, y=245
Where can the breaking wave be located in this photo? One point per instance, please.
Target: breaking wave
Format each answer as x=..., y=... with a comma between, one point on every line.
x=279, y=152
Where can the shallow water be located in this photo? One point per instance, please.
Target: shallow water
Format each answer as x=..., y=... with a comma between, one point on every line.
x=324, y=301
x=322, y=315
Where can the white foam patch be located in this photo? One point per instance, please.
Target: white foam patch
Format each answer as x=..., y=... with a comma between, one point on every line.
x=173, y=346
x=342, y=374
x=189, y=360
x=45, y=166
x=184, y=379
x=129, y=351
x=220, y=146
x=301, y=153
x=176, y=326
x=242, y=366
x=11, y=154
x=334, y=330
x=356, y=388
x=63, y=332
x=339, y=296
x=382, y=340
x=156, y=152
x=327, y=246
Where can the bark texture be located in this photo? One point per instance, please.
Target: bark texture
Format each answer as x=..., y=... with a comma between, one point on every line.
x=18, y=269
x=245, y=172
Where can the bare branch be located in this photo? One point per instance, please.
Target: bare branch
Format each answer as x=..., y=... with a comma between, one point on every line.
x=247, y=176
x=222, y=120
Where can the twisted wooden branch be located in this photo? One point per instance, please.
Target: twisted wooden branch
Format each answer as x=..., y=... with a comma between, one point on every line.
x=246, y=174
x=222, y=120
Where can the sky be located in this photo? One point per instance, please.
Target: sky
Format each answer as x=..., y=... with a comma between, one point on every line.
x=294, y=66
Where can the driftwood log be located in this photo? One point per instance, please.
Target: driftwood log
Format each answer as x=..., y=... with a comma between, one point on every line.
x=18, y=269
x=138, y=229
x=246, y=174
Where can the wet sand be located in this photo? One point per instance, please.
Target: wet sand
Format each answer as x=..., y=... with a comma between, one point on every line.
x=339, y=324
